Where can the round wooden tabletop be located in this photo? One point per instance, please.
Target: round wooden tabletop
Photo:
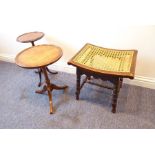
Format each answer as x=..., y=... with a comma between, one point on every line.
x=30, y=37
x=38, y=56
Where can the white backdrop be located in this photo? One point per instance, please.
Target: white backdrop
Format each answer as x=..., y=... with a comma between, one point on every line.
x=70, y=24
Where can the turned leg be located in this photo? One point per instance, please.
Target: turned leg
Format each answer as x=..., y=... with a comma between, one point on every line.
x=115, y=95
x=78, y=78
x=53, y=86
x=48, y=85
x=39, y=72
x=50, y=100
x=42, y=91
x=121, y=82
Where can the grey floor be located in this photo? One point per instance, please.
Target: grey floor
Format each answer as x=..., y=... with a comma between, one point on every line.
x=21, y=108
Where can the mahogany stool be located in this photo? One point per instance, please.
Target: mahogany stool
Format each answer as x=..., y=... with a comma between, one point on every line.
x=107, y=64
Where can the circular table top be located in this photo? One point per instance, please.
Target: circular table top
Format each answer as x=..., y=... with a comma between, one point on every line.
x=38, y=56
x=30, y=37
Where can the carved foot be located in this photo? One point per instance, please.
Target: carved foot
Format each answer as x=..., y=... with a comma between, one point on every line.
x=53, y=86
x=42, y=91
x=39, y=84
x=39, y=72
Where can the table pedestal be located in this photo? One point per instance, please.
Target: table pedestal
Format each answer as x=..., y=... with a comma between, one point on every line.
x=31, y=37
x=40, y=70
x=49, y=87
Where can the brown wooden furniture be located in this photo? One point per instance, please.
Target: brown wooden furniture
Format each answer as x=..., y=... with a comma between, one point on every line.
x=31, y=37
x=107, y=64
x=46, y=55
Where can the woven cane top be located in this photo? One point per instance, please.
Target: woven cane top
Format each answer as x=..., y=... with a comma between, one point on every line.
x=99, y=58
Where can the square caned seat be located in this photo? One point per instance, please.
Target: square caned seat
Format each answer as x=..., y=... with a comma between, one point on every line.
x=104, y=63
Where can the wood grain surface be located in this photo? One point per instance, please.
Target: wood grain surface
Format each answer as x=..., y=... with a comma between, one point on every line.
x=38, y=56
